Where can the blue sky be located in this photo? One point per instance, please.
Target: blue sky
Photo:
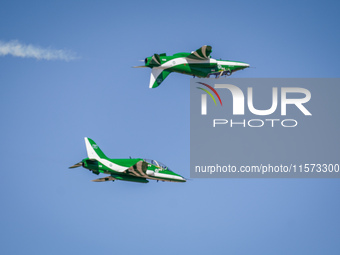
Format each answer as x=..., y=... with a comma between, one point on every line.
x=48, y=106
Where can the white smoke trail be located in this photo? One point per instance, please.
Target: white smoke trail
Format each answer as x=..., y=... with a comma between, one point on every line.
x=18, y=49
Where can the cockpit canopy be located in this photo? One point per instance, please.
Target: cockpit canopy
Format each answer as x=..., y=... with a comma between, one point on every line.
x=158, y=164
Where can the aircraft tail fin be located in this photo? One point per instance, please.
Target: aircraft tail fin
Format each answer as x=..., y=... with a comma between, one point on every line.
x=158, y=75
x=93, y=150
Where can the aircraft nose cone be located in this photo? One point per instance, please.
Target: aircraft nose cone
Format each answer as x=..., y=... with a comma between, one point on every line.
x=243, y=66
x=183, y=179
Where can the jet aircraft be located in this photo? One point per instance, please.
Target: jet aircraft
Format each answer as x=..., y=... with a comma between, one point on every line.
x=132, y=169
x=197, y=63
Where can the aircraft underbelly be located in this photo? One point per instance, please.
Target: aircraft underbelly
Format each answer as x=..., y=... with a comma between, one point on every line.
x=166, y=177
x=155, y=177
x=203, y=70
x=181, y=69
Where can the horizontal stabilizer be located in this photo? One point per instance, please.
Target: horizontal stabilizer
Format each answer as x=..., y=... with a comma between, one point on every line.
x=77, y=165
x=158, y=75
x=202, y=53
x=139, y=66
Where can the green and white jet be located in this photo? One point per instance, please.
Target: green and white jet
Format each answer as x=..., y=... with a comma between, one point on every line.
x=132, y=169
x=197, y=63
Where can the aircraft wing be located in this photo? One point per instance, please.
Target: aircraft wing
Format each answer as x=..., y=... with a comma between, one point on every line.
x=121, y=178
x=202, y=53
x=158, y=75
x=104, y=179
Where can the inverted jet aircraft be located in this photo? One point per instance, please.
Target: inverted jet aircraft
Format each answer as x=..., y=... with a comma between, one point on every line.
x=197, y=63
x=133, y=169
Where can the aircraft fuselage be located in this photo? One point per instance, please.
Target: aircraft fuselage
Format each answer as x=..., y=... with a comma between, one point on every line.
x=200, y=68
x=137, y=173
